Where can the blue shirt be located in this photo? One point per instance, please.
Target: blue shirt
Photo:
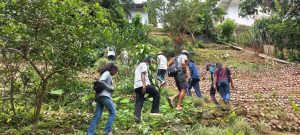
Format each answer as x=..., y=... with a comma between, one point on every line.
x=194, y=70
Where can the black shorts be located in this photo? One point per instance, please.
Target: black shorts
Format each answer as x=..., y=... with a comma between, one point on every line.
x=180, y=80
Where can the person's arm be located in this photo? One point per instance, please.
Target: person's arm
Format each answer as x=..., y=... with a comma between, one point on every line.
x=107, y=86
x=104, y=77
x=230, y=79
x=143, y=77
x=184, y=67
x=215, y=80
x=171, y=62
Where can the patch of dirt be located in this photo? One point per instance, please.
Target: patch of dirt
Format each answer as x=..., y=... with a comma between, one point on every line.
x=266, y=91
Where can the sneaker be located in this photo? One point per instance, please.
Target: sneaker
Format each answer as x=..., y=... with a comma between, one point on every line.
x=137, y=120
x=155, y=114
x=163, y=83
x=170, y=101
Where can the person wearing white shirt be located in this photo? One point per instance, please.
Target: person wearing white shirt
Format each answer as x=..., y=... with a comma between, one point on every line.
x=142, y=86
x=180, y=79
x=162, y=67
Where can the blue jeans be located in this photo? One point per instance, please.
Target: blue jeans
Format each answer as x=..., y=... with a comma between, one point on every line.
x=195, y=84
x=224, y=90
x=161, y=74
x=101, y=102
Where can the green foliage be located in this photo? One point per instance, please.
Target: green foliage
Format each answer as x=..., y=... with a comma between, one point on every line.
x=231, y=118
x=261, y=126
x=200, y=44
x=241, y=126
x=246, y=39
x=200, y=129
x=280, y=29
x=295, y=107
x=181, y=17
x=226, y=30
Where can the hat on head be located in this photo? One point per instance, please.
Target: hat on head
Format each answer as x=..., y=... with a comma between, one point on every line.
x=185, y=52
x=159, y=53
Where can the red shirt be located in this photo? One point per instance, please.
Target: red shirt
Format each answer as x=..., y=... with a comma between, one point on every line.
x=222, y=74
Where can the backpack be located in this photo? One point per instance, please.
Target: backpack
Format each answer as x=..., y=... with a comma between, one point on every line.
x=173, y=69
x=98, y=86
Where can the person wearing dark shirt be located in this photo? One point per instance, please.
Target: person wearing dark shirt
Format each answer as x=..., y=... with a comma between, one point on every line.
x=194, y=79
x=222, y=79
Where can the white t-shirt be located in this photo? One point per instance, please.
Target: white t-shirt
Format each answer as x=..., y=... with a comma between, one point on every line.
x=181, y=59
x=162, y=62
x=142, y=67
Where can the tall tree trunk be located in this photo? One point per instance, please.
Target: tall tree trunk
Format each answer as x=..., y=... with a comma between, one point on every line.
x=12, y=95
x=193, y=36
x=39, y=102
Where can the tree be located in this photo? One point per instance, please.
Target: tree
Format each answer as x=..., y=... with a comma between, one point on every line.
x=186, y=16
x=281, y=28
x=52, y=37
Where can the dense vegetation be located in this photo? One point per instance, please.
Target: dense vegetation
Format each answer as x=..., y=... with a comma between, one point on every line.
x=50, y=51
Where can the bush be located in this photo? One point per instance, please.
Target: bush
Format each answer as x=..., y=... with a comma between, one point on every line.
x=240, y=125
x=200, y=44
x=226, y=30
x=245, y=39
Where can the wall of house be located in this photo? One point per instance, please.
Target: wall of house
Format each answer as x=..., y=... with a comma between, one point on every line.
x=233, y=13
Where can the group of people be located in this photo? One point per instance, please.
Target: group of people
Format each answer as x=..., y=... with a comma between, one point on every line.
x=220, y=78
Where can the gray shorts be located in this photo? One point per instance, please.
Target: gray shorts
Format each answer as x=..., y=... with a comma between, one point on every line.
x=180, y=80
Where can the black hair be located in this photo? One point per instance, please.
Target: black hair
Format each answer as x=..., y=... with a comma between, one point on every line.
x=219, y=65
x=108, y=67
x=147, y=59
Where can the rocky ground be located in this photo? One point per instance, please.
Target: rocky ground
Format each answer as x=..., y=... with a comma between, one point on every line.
x=263, y=93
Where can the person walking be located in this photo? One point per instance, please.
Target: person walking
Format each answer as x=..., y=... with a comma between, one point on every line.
x=162, y=68
x=194, y=79
x=212, y=91
x=104, y=99
x=142, y=86
x=180, y=78
x=222, y=79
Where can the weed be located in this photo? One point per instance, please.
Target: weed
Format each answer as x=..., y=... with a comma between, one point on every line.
x=261, y=126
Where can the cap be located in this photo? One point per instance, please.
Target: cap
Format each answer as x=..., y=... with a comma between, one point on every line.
x=185, y=52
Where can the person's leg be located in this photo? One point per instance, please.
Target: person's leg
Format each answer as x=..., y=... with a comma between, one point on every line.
x=227, y=92
x=178, y=87
x=163, y=74
x=159, y=78
x=156, y=98
x=196, y=87
x=108, y=103
x=190, y=85
x=138, y=103
x=212, y=93
x=183, y=86
x=181, y=97
x=221, y=88
x=96, y=118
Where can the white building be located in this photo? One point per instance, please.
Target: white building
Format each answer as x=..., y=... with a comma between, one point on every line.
x=232, y=9
x=138, y=9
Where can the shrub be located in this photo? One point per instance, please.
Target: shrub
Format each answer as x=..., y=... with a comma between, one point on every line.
x=200, y=44
x=261, y=126
x=240, y=125
x=226, y=30
x=245, y=39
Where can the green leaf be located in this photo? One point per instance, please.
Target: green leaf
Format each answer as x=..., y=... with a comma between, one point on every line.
x=124, y=101
x=57, y=92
